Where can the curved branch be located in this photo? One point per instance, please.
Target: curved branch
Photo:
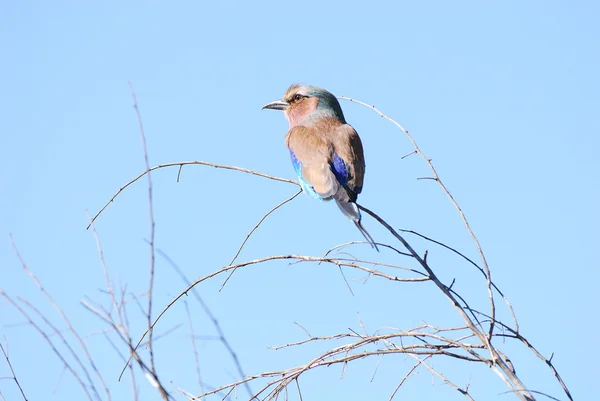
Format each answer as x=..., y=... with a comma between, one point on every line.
x=181, y=164
x=333, y=261
x=339, y=355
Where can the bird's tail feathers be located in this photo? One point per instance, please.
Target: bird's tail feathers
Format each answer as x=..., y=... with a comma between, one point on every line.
x=366, y=234
x=350, y=210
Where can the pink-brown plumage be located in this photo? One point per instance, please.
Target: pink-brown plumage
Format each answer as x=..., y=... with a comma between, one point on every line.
x=326, y=152
x=315, y=145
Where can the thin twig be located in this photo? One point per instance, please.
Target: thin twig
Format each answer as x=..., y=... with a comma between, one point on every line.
x=441, y=376
x=152, y=232
x=510, y=307
x=537, y=392
x=221, y=335
x=69, y=326
x=130, y=367
x=118, y=307
x=299, y=392
x=109, y=288
x=303, y=328
x=444, y=246
x=406, y=376
x=50, y=343
x=68, y=346
x=254, y=229
x=346, y=281
x=12, y=371
x=150, y=376
x=379, y=244
x=194, y=348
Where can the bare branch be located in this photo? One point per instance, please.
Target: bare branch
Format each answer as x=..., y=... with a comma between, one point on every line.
x=152, y=232
x=472, y=263
x=514, y=382
x=221, y=335
x=49, y=341
x=109, y=288
x=130, y=367
x=12, y=371
x=407, y=375
x=285, y=377
x=184, y=163
x=279, y=257
x=441, y=376
x=547, y=361
x=60, y=335
x=194, y=348
x=151, y=376
x=254, y=229
x=69, y=326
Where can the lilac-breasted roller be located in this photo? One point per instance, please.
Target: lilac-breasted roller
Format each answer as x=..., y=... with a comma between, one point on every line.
x=326, y=152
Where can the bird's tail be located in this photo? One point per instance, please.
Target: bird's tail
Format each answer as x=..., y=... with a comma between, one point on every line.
x=350, y=209
x=366, y=234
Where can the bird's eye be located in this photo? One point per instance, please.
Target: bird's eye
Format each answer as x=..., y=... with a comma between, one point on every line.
x=298, y=97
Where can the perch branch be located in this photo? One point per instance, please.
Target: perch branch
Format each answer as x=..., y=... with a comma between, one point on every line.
x=437, y=178
x=514, y=382
x=193, y=162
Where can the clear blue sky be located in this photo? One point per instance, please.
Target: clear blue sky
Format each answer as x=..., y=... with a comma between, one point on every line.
x=503, y=96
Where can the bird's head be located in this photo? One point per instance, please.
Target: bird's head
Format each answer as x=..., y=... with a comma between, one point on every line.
x=302, y=102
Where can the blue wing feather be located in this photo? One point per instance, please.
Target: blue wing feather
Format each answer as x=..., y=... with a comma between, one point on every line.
x=341, y=173
x=339, y=170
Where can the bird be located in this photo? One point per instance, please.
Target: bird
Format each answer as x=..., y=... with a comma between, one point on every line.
x=326, y=152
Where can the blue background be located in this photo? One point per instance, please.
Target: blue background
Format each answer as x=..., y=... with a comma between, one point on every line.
x=503, y=96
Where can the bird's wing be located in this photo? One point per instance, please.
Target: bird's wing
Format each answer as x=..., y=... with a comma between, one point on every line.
x=349, y=160
x=312, y=156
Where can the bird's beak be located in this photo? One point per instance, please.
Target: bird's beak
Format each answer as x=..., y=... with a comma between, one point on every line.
x=276, y=105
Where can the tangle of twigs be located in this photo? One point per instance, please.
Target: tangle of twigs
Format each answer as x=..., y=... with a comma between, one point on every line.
x=470, y=341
